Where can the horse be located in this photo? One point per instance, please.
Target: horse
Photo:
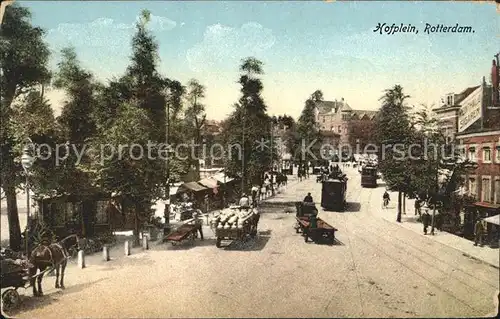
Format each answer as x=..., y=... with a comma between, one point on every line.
x=56, y=256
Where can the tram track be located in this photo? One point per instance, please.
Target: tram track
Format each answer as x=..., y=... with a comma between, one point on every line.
x=406, y=251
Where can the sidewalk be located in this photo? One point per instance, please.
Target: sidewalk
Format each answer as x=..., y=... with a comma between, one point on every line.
x=486, y=254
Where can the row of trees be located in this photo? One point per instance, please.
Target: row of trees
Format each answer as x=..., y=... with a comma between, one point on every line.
x=414, y=155
x=132, y=109
x=126, y=110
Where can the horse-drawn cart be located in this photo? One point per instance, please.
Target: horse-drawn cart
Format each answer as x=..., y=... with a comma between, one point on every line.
x=321, y=232
x=312, y=226
x=235, y=224
x=13, y=276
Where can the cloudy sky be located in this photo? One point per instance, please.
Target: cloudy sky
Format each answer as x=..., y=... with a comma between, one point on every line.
x=304, y=45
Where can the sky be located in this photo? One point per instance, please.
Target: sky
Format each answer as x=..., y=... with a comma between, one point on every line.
x=304, y=45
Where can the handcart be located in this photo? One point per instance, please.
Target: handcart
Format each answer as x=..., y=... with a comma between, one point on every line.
x=187, y=231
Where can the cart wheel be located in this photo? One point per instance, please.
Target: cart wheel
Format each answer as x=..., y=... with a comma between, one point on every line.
x=217, y=242
x=10, y=299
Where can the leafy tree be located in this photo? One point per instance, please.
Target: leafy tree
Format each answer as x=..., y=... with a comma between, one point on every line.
x=137, y=103
x=195, y=117
x=248, y=125
x=147, y=85
x=23, y=59
x=394, y=134
x=33, y=117
x=127, y=170
x=77, y=122
x=308, y=130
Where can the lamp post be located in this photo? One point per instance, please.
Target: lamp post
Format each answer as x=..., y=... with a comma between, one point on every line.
x=166, y=213
x=27, y=161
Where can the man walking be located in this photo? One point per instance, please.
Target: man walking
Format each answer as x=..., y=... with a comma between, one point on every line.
x=417, y=207
x=478, y=233
x=426, y=220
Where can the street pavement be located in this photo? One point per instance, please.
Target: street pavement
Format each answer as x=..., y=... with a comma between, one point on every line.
x=377, y=268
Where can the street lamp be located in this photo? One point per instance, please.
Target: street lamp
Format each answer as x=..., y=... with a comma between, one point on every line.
x=166, y=213
x=27, y=161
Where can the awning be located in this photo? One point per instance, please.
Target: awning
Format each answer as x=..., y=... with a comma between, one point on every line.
x=493, y=220
x=486, y=205
x=192, y=186
x=221, y=178
x=208, y=182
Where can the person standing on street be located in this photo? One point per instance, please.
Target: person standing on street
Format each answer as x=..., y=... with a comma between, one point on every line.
x=478, y=233
x=426, y=220
x=417, y=207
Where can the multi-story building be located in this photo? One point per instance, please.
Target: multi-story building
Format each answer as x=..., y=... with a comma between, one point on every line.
x=352, y=126
x=478, y=136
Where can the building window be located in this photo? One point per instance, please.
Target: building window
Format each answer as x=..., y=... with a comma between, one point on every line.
x=486, y=155
x=498, y=155
x=472, y=186
x=486, y=189
x=472, y=154
x=497, y=190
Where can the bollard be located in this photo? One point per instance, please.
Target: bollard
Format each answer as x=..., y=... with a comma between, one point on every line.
x=145, y=242
x=105, y=253
x=81, y=259
x=127, y=248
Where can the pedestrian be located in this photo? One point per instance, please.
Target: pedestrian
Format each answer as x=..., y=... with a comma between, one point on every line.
x=426, y=220
x=255, y=191
x=417, y=207
x=478, y=233
x=207, y=204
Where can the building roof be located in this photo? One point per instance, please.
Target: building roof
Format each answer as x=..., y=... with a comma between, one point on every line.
x=191, y=186
x=362, y=113
x=332, y=106
x=208, y=182
x=465, y=93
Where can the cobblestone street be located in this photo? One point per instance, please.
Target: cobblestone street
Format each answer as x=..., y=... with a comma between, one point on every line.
x=377, y=269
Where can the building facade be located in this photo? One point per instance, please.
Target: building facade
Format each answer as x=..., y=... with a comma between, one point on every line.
x=478, y=136
x=350, y=126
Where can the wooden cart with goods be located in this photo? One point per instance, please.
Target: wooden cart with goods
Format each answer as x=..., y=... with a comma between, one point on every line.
x=235, y=224
x=321, y=232
x=187, y=231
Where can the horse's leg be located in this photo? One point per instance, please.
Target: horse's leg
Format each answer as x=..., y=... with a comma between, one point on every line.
x=58, y=267
x=33, y=282
x=63, y=267
x=39, y=281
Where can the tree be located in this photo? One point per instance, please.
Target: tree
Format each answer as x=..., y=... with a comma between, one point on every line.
x=33, y=117
x=23, y=59
x=77, y=121
x=393, y=134
x=195, y=117
x=127, y=171
x=138, y=103
x=248, y=126
x=308, y=130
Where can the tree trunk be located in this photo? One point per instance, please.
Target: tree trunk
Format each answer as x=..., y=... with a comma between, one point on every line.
x=13, y=217
x=404, y=203
x=398, y=219
x=136, y=228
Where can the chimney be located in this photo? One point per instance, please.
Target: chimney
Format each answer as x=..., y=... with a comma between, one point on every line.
x=494, y=83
